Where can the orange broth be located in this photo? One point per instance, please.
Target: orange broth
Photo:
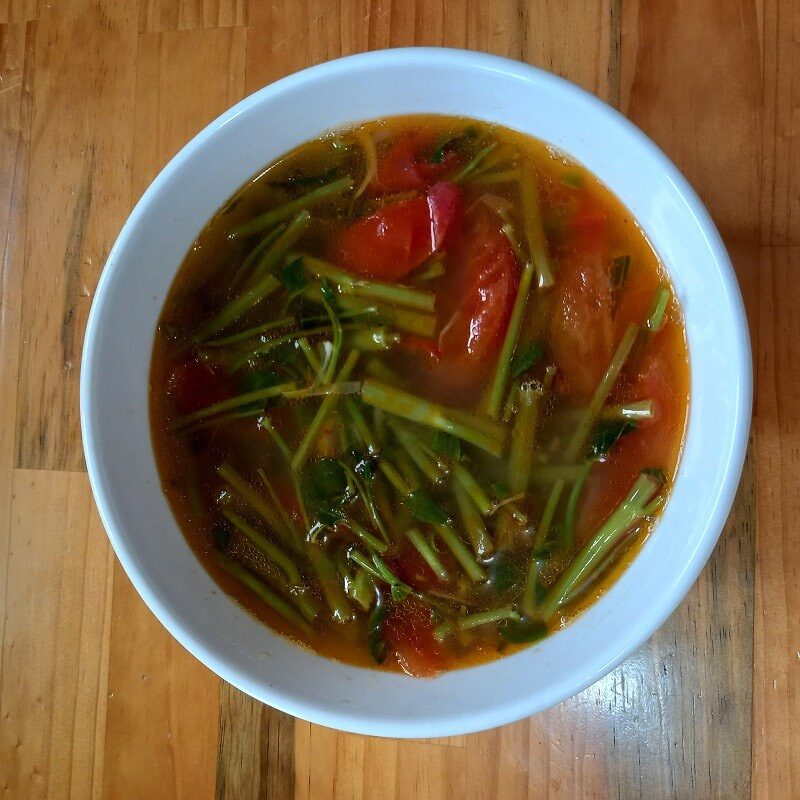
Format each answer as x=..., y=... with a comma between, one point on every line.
x=606, y=277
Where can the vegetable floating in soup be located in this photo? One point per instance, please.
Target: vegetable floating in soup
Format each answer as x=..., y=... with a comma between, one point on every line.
x=418, y=393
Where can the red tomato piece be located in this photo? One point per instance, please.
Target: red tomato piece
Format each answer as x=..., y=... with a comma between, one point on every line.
x=582, y=327
x=396, y=239
x=408, y=630
x=412, y=569
x=648, y=446
x=397, y=169
x=476, y=302
x=421, y=346
x=443, y=204
x=193, y=385
x=434, y=172
x=590, y=224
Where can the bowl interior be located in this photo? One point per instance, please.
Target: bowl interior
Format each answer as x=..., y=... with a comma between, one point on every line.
x=119, y=340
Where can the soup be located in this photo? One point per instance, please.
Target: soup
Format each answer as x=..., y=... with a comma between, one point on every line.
x=418, y=393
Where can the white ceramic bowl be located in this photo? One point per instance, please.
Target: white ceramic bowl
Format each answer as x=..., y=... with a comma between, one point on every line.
x=119, y=339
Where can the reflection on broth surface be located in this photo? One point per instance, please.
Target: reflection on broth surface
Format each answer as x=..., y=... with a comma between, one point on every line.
x=418, y=393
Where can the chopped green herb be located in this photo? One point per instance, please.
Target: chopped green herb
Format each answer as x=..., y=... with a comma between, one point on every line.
x=447, y=445
x=307, y=180
x=619, y=271
x=500, y=490
x=294, y=277
x=658, y=310
x=525, y=359
x=606, y=434
x=443, y=144
x=522, y=631
x=503, y=572
x=255, y=381
x=422, y=505
x=375, y=641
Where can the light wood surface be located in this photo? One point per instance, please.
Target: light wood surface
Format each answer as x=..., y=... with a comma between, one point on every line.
x=96, y=700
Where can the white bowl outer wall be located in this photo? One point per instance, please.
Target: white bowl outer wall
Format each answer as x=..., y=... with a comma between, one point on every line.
x=119, y=339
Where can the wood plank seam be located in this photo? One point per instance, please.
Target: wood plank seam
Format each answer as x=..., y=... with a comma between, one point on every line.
x=10, y=278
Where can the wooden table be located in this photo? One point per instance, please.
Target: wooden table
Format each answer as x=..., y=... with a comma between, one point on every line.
x=96, y=699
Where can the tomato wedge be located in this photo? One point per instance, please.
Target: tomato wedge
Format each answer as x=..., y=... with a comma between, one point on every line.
x=397, y=169
x=644, y=447
x=396, y=239
x=582, y=327
x=408, y=630
x=590, y=224
x=476, y=301
x=412, y=569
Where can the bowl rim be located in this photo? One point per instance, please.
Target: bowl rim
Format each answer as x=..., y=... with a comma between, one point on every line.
x=495, y=716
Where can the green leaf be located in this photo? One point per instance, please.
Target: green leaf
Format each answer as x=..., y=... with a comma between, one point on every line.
x=294, y=276
x=327, y=292
x=363, y=464
x=525, y=359
x=327, y=479
x=447, y=445
x=422, y=505
x=325, y=490
x=375, y=642
x=504, y=573
x=443, y=144
x=399, y=591
x=522, y=632
x=308, y=180
x=606, y=434
x=619, y=271
x=500, y=490
x=260, y=379
x=366, y=469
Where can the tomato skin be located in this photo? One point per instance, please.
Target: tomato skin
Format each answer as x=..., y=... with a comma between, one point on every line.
x=412, y=569
x=408, y=630
x=590, y=224
x=433, y=172
x=476, y=301
x=582, y=326
x=193, y=384
x=444, y=199
x=419, y=345
x=396, y=239
x=397, y=169
x=400, y=169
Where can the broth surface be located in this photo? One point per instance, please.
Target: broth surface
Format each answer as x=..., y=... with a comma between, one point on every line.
x=366, y=323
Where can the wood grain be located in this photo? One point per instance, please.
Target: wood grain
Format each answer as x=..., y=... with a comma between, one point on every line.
x=78, y=195
x=96, y=700
x=780, y=189
x=16, y=61
x=161, y=727
x=18, y=11
x=256, y=749
x=147, y=667
x=776, y=722
x=165, y=15
x=685, y=90
x=184, y=80
x=56, y=640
